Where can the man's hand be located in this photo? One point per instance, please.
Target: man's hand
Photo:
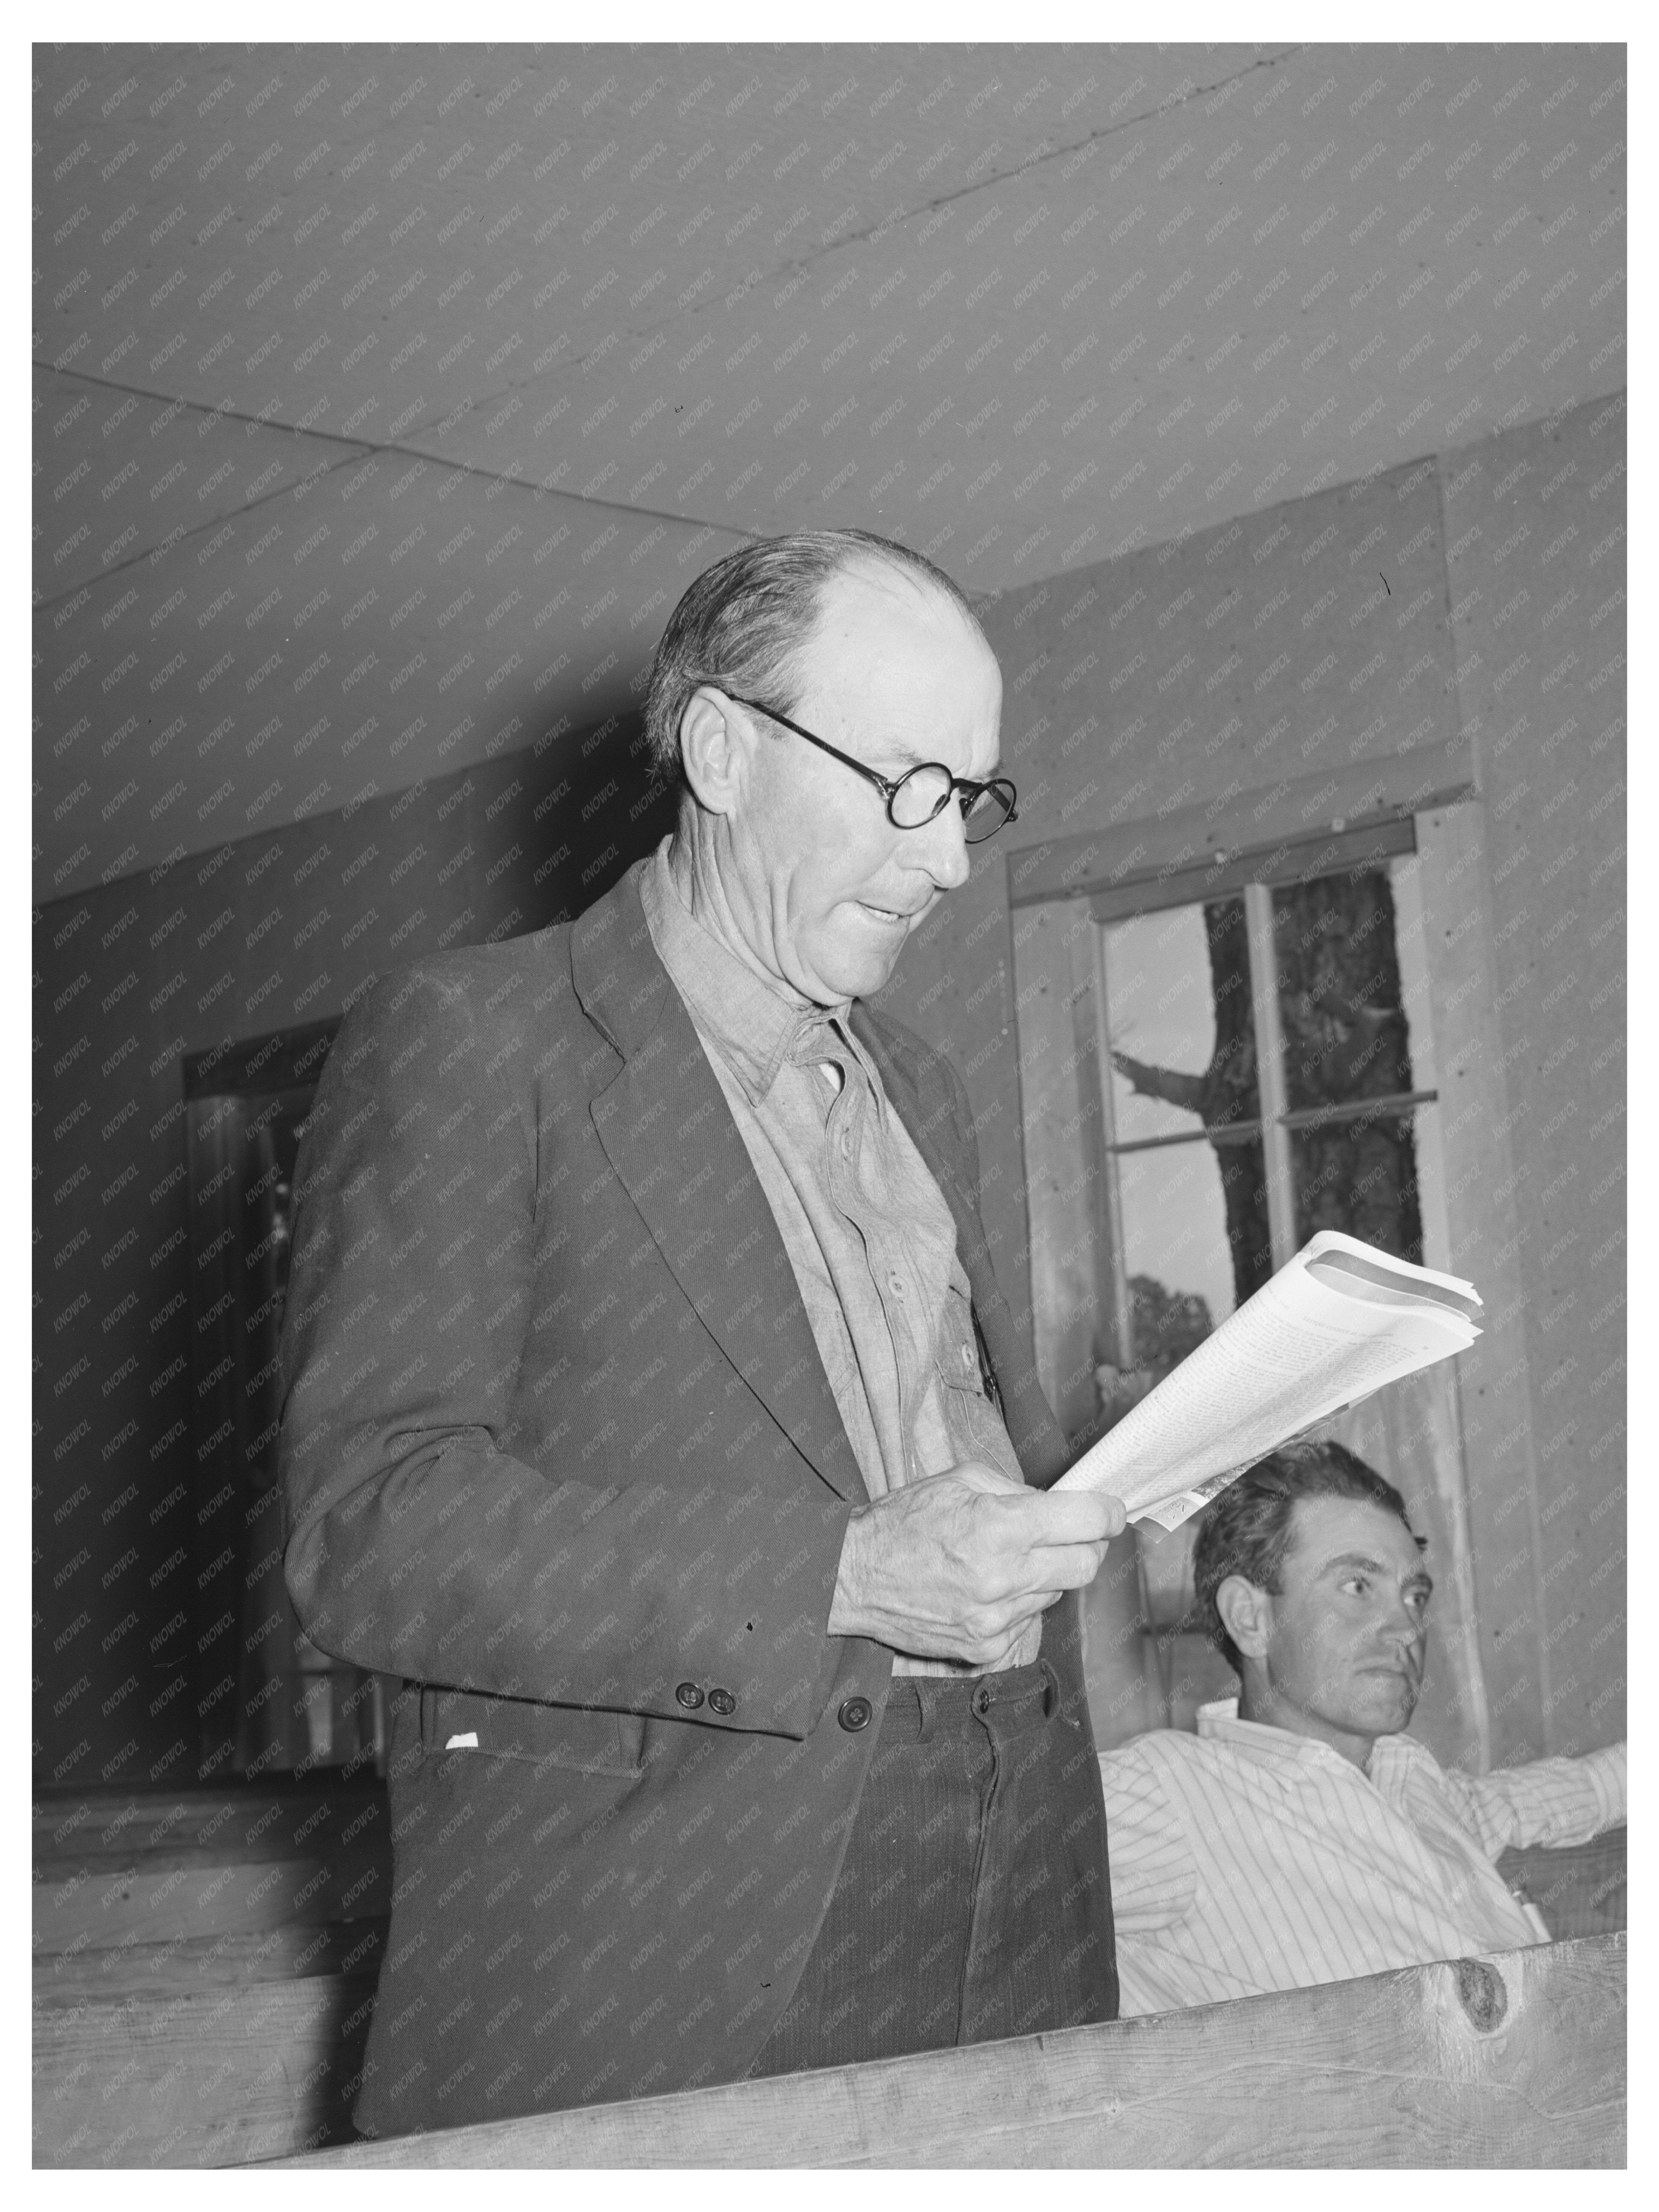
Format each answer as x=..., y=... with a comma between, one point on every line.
x=962, y=1565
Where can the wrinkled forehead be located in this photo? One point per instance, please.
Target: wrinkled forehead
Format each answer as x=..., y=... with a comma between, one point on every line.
x=896, y=653
x=1326, y=1530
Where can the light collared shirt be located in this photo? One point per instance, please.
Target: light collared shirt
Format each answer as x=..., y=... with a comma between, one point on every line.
x=1246, y=1858
x=870, y=1237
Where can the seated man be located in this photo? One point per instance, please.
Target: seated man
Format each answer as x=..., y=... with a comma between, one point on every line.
x=1300, y=1836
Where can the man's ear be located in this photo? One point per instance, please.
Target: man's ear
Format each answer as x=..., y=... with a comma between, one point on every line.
x=1247, y=1614
x=711, y=748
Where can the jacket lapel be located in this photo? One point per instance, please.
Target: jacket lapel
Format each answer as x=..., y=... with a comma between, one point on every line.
x=669, y=1134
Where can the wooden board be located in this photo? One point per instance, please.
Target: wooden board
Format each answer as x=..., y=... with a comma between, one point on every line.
x=234, y=1959
x=122, y=1871
x=204, y=1969
x=120, y=1827
x=1071, y=1276
x=1485, y=1201
x=149, y=1902
x=208, y=2077
x=1514, y=2061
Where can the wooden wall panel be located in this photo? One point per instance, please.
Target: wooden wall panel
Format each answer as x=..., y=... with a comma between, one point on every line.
x=1535, y=547
x=1060, y=1126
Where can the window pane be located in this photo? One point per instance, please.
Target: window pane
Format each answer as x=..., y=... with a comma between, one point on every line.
x=1346, y=1039
x=1178, y=1007
x=1183, y=1045
x=1175, y=1244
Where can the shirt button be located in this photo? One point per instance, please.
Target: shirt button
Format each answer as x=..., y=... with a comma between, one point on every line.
x=723, y=1703
x=689, y=1695
x=967, y=1356
x=895, y=1284
x=856, y=1714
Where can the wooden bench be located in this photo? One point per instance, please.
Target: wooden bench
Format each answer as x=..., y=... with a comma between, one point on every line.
x=204, y=1968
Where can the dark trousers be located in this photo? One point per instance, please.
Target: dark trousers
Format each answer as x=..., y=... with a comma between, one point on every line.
x=974, y=1901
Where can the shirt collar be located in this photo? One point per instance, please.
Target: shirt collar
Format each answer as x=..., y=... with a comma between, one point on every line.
x=1219, y=1718
x=753, y=1024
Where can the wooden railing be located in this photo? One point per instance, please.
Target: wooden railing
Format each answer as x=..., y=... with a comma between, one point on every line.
x=204, y=1968
x=1512, y=2061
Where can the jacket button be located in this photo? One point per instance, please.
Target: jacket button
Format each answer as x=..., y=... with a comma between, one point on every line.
x=856, y=1714
x=722, y=1702
x=689, y=1695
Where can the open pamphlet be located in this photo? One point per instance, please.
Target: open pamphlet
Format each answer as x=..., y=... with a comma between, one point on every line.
x=1335, y=1324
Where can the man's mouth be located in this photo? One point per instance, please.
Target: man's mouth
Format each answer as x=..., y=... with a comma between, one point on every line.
x=885, y=913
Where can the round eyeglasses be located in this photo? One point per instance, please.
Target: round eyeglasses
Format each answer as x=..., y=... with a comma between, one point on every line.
x=923, y=792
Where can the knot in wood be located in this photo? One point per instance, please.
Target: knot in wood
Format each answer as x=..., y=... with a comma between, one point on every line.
x=1480, y=1992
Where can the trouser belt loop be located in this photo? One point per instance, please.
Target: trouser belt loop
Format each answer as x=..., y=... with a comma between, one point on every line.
x=926, y=1690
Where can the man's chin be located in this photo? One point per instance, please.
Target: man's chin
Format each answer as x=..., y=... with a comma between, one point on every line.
x=1388, y=1702
x=854, y=973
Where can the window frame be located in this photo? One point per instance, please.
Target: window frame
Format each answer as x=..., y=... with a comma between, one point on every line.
x=1254, y=877
x=1056, y=890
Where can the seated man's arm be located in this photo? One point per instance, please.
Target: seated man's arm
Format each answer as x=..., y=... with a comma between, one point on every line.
x=1154, y=1875
x=1548, y=1800
x=418, y=1543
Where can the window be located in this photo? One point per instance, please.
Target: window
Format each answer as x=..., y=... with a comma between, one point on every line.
x=1266, y=1083
x=1253, y=1061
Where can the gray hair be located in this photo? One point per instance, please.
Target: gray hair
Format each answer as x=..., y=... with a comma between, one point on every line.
x=743, y=623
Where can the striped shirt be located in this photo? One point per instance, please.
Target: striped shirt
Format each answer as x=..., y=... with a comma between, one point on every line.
x=1246, y=1858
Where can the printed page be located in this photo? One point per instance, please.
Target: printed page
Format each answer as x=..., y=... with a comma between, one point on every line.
x=1300, y=1351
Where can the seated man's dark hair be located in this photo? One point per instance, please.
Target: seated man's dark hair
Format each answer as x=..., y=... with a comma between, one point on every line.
x=1247, y=1531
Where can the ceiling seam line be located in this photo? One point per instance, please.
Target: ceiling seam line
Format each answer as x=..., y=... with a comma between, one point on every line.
x=367, y=450
x=461, y=468
x=368, y=447
x=781, y=272
x=897, y=218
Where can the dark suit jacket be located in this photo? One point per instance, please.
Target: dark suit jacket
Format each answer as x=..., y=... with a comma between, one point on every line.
x=558, y=1449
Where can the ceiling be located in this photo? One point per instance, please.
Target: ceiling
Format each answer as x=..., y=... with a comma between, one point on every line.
x=386, y=401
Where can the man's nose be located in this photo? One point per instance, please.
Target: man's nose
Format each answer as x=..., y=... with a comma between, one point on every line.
x=945, y=852
x=1404, y=1626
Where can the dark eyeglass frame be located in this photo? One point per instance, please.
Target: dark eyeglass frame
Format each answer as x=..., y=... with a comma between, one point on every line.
x=970, y=793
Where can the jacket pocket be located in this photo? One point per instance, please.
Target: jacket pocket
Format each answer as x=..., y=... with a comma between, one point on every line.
x=566, y=1736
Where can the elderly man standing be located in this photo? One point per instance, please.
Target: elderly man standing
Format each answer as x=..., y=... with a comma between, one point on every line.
x=654, y=1412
